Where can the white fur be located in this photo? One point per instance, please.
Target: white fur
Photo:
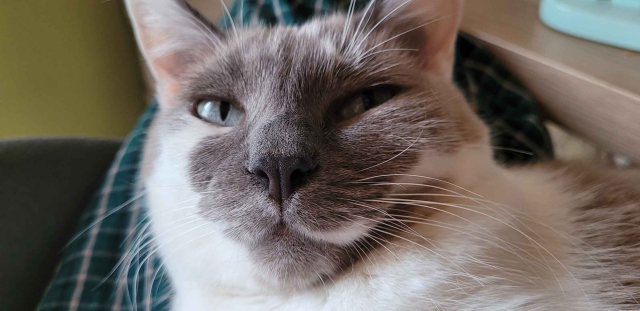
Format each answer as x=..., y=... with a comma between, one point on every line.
x=473, y=254
x=343, y=236
x=472, y=261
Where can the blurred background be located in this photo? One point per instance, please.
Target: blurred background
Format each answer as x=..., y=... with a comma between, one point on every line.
x=71, y=68
x=68, y=68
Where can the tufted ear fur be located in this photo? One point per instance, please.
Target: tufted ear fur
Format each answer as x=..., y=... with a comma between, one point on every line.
x=171, y=35
x=428, y=25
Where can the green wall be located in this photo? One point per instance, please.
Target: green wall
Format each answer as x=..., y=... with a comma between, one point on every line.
x=67, y=67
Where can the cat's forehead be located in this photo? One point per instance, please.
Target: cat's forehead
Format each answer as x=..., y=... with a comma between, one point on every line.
x=285, y=65
x=290, y=61
x=279, y=66
x=313, y=37
x=313, y=46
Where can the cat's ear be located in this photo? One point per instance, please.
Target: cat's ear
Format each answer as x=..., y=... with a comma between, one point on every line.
x=171, y=34
x=429, y=25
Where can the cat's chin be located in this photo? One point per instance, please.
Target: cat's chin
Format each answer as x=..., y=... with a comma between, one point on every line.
x=291, y=283
x=289, y=260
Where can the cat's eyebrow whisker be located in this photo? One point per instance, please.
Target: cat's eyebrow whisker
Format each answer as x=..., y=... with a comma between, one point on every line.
x=382, y=20
x=241, y=14
x=404, y=33
x=356, y=34
x=233, y=24
x=348, y=21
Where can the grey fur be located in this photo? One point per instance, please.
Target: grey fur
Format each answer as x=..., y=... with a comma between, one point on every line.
x=289, y=81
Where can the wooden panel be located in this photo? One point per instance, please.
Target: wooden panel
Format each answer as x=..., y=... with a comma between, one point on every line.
x=606, y=116
x=514, y=25
x=592, y=89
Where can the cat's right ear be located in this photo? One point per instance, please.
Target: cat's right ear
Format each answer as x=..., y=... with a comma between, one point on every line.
x=171, y=34
x=431, y=26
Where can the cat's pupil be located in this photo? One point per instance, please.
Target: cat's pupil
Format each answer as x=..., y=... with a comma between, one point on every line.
x=368, y=100
x=225, y=107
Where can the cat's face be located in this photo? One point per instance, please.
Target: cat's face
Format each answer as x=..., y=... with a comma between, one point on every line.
x=286, y=136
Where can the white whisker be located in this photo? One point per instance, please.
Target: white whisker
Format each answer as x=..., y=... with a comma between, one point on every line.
x=95, y=222
x=394, y=157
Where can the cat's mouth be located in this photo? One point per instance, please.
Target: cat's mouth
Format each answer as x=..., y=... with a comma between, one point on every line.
x=293, y=256
x=322, y=230
x=287, y=259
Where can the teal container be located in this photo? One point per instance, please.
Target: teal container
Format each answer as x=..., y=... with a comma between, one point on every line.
x=612, y=22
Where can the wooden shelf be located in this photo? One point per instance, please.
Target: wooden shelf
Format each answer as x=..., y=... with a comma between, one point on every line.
x=592, y=89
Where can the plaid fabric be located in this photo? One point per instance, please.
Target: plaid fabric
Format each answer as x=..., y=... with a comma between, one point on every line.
x=115, y=219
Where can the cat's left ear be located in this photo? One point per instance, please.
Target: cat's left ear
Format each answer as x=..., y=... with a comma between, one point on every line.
x=428, y=25
x=171, y=35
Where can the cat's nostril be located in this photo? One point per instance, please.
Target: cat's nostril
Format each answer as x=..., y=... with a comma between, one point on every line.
x=284, y=174
x=298, y=177
x=261, y=173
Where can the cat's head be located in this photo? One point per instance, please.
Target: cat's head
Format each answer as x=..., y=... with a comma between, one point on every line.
x=287, y=136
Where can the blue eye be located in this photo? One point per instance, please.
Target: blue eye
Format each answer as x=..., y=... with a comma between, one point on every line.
x=219, y=112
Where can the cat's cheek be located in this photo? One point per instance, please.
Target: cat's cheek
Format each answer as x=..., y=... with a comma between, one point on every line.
x=189, y=243
x=170, y=188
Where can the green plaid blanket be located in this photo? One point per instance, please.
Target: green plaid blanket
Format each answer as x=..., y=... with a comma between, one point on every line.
x=85, y=278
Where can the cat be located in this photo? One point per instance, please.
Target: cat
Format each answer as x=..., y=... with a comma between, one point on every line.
x=334, y=166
